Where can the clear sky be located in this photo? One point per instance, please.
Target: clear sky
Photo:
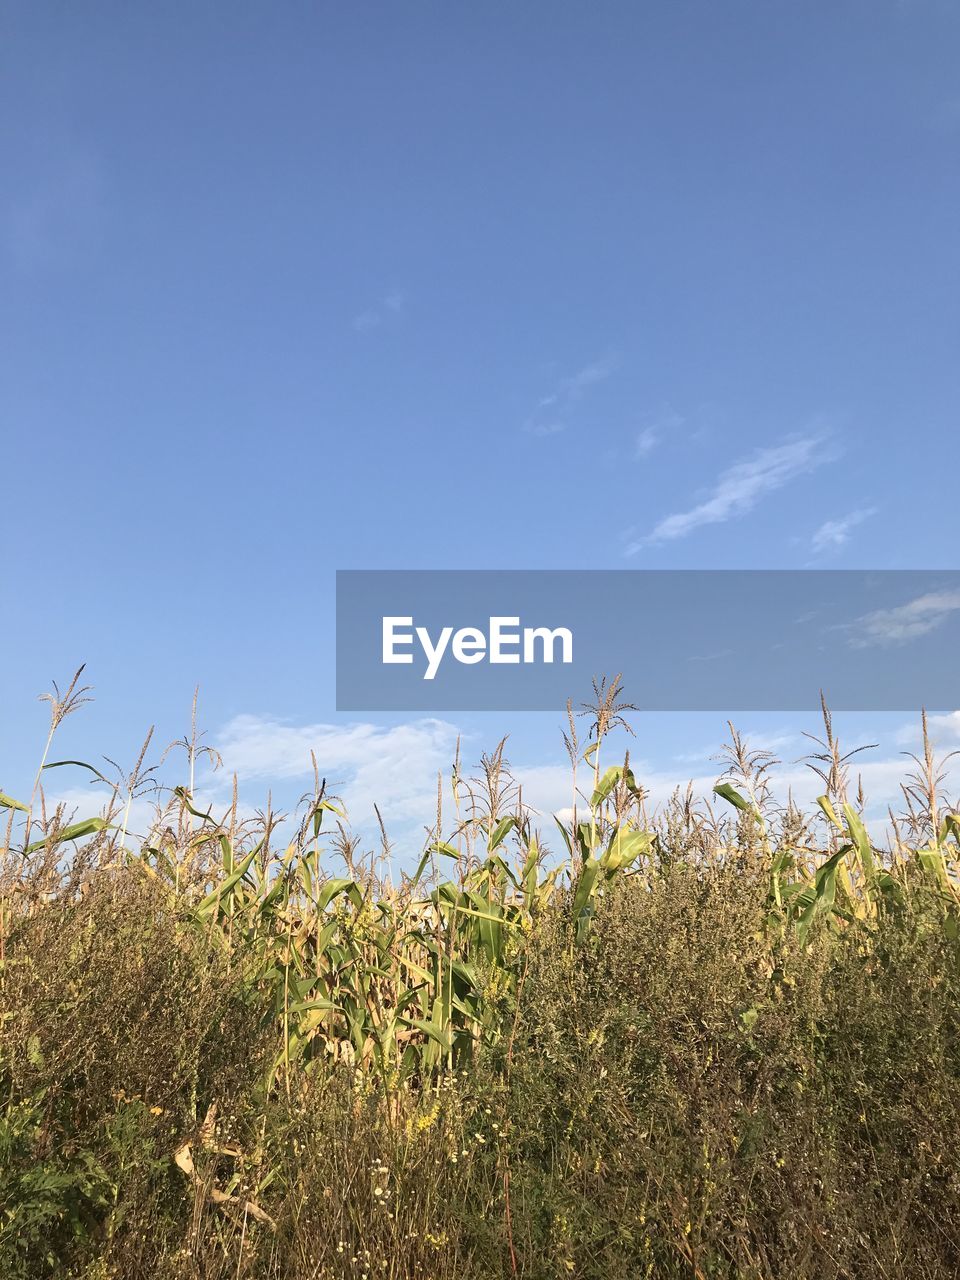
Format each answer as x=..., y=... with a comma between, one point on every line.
x=292, y=288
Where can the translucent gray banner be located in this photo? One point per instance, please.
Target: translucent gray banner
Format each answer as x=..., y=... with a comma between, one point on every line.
x=685, y=640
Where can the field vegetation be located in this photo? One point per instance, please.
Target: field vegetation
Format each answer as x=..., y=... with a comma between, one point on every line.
x=712, y=1040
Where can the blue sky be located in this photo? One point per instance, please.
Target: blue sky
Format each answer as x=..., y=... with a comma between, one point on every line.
x=287, y=289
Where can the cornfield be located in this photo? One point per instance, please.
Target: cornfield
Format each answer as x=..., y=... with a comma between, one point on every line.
x=715, y=1039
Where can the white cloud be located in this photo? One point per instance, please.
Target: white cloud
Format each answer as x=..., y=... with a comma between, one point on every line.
x=906, y=622
x=547, y=787
x=393, y=767
x=944, y=731
x=740, y=488
x=78, y=802
x=833, y=534
x=946, y=726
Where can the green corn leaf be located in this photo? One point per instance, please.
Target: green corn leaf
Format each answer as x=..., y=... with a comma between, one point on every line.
x=585, y=886
x=217, y=894
x=485, y=915
x=441, y=848
x=496, y=863
x=80, y=764
x=624, y=848
x=446, y=850
x=75, y=832
x=609, y=780
x=415, y=969
x=732, y=796
x=566, y=835
x=309, y=1006
x=828, y=809
x=446, y=894
x=499, y=832
x=934, y=864
x=606, y=784
x=334, y=888
x=185, y=797
x=861, y=841
x=586, y=832
x=439, y=1034
x=319, y=809
x=821, y=897
x=226, y=848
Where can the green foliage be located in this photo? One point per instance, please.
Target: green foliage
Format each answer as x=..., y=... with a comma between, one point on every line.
x=48, y=1201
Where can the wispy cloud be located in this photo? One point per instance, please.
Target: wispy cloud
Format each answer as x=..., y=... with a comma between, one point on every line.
x=740, y=488
x=574, y=387
x=388, y=307
x=650, y=436
x=905, y=622
x=552, y=410
x=834, y=534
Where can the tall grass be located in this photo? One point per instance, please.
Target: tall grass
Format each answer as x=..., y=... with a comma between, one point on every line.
x=716, y=1039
